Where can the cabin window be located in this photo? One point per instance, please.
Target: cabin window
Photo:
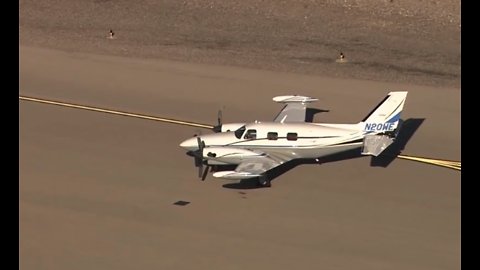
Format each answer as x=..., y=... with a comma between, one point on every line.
x=251, y=134
x=239, y=132
x=272, y=135
x=292, y=136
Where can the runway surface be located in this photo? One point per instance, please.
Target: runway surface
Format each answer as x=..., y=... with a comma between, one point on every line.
x=97, y=191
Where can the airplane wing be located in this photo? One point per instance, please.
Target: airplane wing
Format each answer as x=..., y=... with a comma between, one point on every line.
x=294, y=110
x=251, y=167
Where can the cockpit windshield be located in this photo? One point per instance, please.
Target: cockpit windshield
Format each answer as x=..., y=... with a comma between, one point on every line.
x=239, y=132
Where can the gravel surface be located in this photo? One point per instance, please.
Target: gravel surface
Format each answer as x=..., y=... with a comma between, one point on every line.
x=404, y=41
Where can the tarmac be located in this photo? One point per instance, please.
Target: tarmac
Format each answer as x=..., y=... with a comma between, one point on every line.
x=98, y=191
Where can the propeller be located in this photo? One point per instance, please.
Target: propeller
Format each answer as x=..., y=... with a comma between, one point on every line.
x=218, y=127
x=199, y=161
x=198, y=154
x=199, y=157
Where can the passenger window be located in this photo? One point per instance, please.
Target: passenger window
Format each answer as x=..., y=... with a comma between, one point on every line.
x=292, y=136
x=251, y=134
x=272, y=135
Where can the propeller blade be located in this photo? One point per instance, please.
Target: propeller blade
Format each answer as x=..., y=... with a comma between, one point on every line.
x=219, y=117
x=199, y=142
x=198, y=161
x=201, y=145
x=199, y=158
x=218, y=127
x=200, y=170
x=205, y=172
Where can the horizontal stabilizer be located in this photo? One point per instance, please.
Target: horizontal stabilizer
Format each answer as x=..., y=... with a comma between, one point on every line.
x=235, y=175
x=374, y=145
x=294, y=110
x=294, y=99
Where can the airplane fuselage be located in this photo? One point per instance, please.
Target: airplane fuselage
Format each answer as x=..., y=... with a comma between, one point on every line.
x=287, y=141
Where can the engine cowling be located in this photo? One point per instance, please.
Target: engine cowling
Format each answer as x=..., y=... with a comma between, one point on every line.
x=227, y=155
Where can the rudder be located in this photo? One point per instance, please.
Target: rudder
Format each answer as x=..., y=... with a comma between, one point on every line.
x=386, y=115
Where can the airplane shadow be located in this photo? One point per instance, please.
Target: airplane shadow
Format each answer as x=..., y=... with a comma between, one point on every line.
x=409, y=127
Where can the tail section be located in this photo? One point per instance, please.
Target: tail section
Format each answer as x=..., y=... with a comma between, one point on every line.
x=386, y=116
x=381, y=125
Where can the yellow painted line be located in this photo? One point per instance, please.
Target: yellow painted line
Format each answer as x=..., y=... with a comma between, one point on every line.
x=96, y=109
x=430, y=160
x=456, y=165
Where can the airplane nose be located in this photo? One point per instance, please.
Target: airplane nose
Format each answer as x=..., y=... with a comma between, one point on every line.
x=190, y=144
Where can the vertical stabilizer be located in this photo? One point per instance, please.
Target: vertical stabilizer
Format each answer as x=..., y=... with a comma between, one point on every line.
x=386, y=116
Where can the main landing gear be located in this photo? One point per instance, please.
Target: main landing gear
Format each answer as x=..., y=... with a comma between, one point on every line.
x=264, y=181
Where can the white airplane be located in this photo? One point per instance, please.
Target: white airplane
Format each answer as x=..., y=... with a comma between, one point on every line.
x=258, y=147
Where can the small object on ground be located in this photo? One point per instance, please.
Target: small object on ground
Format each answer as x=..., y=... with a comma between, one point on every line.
x=181, y=203
x=341, y=58
x=111, y=34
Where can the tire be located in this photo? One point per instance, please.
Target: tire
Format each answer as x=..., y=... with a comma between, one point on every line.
x=263, y=181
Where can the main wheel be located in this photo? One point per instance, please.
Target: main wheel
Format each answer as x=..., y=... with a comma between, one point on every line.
x=264, y=181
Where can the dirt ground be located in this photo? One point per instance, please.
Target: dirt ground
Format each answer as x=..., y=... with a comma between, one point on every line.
x=409, y=41
x=97, y=190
